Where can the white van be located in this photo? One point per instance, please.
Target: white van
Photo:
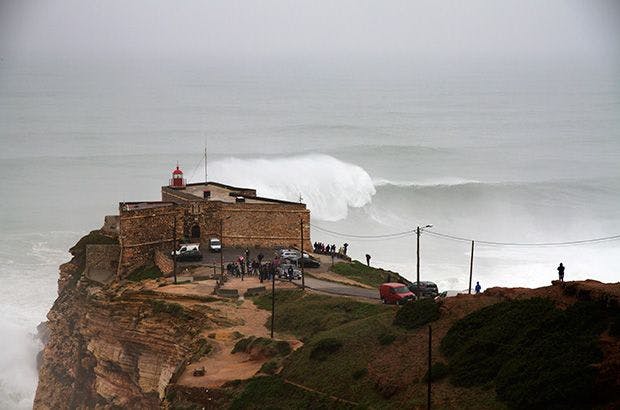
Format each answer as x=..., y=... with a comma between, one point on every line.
x=215, y=245
x=185, y=248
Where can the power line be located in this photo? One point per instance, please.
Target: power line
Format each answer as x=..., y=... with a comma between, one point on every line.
x=533, y=244
x=402, y=234
x=386, y=236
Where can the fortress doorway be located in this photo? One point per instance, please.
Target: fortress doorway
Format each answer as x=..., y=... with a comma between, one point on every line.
x=195, y=232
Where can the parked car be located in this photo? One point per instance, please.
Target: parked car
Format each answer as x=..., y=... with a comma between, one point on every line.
x=215, y=245
x=395, y=293
x=187, y=252
x=289, y=254
x=308, y=262
x=426, y=290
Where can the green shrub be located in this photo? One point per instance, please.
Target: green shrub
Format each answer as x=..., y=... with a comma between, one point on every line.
x=324, y=347
x=171, y=308
x=417, y=313
x=269, y=347
x=359, y=373
x=386, y=339
x=269, y=367
x=538, y=356
x=439, y=370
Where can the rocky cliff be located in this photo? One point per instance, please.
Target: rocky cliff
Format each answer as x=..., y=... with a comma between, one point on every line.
x=114, y=345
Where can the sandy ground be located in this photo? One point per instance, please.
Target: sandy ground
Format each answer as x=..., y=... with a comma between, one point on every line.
x=220, y=364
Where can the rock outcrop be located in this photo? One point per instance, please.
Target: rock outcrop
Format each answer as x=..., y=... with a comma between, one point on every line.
x=113, y=345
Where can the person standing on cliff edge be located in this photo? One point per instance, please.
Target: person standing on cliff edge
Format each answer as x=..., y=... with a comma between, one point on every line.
x=561, y=272
x=368, y=259
x=345, y=246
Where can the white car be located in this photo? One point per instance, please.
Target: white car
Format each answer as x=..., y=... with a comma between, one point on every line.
x=215, y=245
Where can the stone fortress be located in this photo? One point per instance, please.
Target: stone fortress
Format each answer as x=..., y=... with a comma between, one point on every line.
x=197, y=212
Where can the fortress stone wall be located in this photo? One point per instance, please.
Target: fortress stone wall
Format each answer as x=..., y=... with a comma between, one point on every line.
x=145, y=227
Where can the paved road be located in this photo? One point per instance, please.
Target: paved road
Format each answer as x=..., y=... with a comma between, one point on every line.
x=340, y=289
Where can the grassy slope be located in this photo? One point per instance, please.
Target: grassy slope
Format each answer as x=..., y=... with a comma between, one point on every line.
x=365, y=358
x=364, y=274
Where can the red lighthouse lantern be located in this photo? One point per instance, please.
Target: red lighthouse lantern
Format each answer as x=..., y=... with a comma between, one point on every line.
x=177, y=181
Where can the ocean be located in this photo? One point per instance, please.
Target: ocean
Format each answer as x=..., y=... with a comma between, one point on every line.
x=492, y=151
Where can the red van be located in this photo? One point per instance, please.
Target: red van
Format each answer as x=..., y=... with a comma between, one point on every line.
x=395, y=293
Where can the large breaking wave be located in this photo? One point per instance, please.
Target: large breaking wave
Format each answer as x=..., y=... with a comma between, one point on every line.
x=327, y=185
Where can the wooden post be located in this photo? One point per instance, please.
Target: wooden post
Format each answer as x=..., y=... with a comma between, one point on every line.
x=430, y=344
x=174, y=249
x=418, y=258
x=471, y=266
x=303, y=276
x=273, y=301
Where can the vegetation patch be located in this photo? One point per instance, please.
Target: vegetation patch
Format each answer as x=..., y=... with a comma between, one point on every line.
x=325, y=347
x=359, y=373
x=270, y=367
x=266, y=347
x=367, y=275
x=386, y=338
x=171, y=308
x=204, y=347
x=536, y=356
x=439, y=370
x=271, y=392
x=144, y=272
x=417, y=313
x=305, y=315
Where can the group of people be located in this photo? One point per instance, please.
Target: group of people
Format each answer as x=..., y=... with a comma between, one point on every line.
x=244, y=266
x=330, y=249
x=264, y=271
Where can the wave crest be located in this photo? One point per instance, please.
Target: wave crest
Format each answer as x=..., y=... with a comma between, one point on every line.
x=328, y=186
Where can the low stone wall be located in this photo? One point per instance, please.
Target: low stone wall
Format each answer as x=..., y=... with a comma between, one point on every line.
x=163, y=262
x=255, y=291
x=228, y=293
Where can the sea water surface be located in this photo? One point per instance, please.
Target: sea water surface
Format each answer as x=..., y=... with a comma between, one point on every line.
x=498, y=152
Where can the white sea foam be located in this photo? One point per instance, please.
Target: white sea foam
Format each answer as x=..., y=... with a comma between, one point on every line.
x=327, y=185
x=447, y=181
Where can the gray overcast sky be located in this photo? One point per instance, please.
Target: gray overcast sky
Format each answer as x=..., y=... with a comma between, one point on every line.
x=154, y=28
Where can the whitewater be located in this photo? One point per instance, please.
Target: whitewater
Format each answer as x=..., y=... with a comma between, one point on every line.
x=498, y=154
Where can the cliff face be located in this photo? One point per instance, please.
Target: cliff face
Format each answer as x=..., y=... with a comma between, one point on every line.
x=114, y=345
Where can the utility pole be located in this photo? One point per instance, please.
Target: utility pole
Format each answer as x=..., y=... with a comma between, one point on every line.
x=430, y=344
x=206, y=161
x=303, y=276
x=418, y=258
x=221, y=249
x=418, y=230
x=273, y=301
x=471, y=266
x=174, y=249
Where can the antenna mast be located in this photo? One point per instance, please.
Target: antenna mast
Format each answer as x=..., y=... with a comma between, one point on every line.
x=206, y=161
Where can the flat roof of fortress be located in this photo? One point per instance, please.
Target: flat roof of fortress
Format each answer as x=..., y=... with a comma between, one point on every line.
x=227, y=193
